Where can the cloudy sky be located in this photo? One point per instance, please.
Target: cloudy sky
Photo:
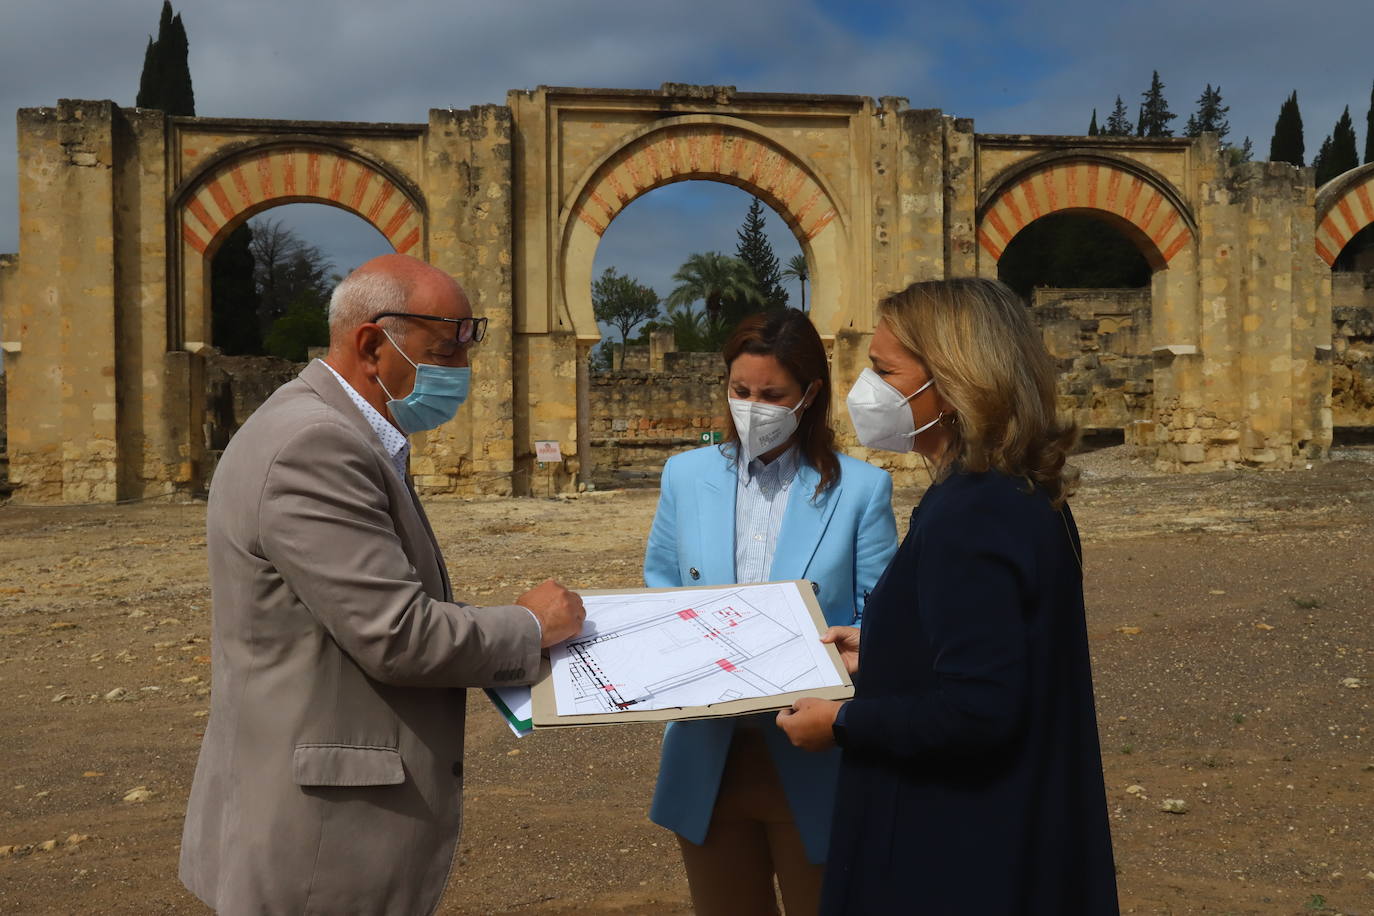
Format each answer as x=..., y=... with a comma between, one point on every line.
x=1014, y=66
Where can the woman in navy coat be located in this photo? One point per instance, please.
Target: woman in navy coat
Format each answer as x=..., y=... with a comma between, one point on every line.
x=971, y=779
x=774, y=502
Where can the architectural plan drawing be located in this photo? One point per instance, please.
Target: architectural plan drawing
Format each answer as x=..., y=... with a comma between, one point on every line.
x=692, y=647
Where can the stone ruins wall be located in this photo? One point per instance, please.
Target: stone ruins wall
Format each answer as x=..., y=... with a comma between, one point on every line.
x=235, y=386
x=1100, y=341
x=106, y=325
x=661, y=402
x=640, y=417
x=1352, y=349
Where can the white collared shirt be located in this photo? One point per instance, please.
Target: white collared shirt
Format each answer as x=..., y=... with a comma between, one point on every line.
x=761, y=494
x=395, y=445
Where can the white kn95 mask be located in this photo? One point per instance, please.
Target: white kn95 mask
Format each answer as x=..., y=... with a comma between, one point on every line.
x=881, y=414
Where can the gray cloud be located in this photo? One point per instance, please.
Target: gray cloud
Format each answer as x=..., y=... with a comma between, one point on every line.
x=1033, y=67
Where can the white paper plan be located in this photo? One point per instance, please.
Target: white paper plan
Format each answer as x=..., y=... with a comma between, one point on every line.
x=692, y=647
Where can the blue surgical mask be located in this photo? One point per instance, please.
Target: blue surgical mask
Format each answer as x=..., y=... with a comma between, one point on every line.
x=435, y=398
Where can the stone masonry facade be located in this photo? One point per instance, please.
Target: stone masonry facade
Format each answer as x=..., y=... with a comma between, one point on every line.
x=104, y=313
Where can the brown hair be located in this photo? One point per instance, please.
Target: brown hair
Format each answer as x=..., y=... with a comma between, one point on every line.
x=789, y=337
x=990, y=364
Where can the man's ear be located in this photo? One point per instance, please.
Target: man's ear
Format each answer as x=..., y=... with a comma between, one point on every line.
x=367, y=342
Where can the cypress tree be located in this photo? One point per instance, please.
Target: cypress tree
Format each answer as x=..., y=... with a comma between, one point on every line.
x=1287, y=145
x=1321, y=163
x=147, y=80
x=1119, y=121
x=1210, y=115
x=1154, y=111
x=181, y=97
x=1369, y=130
x=1092, y=125
x=754, y=250
x=165, y=83
x=1338, y=154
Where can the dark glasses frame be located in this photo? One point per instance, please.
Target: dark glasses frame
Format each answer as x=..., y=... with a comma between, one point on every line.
x=469, y=330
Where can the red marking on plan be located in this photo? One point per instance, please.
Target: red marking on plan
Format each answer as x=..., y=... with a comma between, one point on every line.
x=724, y=665
x=687, y=614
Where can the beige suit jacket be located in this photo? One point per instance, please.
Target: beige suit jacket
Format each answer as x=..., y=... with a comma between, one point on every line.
x=330, y=776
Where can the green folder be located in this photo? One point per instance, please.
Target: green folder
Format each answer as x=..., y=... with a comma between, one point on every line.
x=508, y=699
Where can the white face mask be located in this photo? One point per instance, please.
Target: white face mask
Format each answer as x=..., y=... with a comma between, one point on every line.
x=762, y=427
x=881, y=415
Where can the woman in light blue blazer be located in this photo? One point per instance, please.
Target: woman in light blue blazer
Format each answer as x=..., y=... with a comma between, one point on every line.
x=775, y=501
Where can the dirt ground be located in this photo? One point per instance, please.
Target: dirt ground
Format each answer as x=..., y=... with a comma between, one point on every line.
x=1229, y=617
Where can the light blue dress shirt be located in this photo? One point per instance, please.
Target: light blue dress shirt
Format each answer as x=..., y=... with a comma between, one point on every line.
x=760, y=502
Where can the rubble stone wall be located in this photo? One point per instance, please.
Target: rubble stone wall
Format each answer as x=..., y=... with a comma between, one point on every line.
x=639, y=418
x=1352, y=349
x=1100, y=341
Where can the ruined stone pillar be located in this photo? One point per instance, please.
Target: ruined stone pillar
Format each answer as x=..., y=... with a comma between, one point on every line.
x=584, y=406
x=61, y=304
x=660, y=342
x=468, y=188
x=161, y=437
x=1253, y=387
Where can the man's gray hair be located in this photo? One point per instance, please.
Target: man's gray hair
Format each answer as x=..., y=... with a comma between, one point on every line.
x=362, y=297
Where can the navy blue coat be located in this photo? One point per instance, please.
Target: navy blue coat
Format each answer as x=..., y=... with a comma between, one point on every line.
x=971, y=779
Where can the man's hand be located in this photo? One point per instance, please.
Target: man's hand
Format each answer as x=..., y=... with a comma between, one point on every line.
x=809, y=722
x=559, y=611
x=846, y=639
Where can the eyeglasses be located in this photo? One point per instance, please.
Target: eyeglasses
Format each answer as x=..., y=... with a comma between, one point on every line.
x=470, y=330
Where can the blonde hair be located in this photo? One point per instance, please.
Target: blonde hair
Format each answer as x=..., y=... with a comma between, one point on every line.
x=988, y=361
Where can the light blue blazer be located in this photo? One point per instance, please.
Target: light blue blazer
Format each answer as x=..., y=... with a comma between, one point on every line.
x=840, y=541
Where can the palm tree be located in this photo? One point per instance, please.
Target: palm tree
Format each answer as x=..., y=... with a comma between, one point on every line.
x=693, y=332
x=796, y=270
x=713, y=278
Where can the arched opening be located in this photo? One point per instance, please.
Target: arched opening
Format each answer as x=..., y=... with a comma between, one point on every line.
x=662, y=393
x=270, y=280
x=1352, y=342
x=1087, y=282
x=216, y=200
x=284, y=261
x=1087, y=239
x=269, y=284
x=668, y=152
x=1073, y=249
x=698, y=147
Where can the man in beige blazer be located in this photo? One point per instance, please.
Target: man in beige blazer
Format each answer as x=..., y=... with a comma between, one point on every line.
x=330, y=776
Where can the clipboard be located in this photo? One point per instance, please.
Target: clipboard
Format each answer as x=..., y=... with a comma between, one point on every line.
x=546, y=705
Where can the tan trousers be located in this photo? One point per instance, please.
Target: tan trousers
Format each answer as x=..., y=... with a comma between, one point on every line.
x=752, y=839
